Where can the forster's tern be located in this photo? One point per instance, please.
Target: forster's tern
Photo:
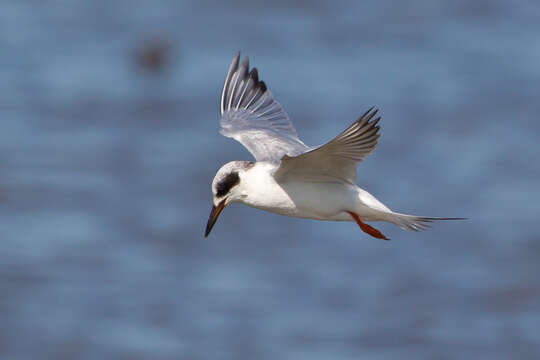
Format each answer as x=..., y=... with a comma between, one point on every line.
x=289, y=177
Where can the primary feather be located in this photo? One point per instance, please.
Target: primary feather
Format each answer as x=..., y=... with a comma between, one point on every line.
x=250, y=115
x=338, y=158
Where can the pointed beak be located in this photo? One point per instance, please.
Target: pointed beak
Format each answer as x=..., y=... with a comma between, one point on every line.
x=214, y=214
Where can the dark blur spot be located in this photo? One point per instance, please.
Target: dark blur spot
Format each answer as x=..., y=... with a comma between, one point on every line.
x=153, y=55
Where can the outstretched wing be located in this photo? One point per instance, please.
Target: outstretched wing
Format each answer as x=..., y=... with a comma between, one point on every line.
x=337, y=159
x=250, y=115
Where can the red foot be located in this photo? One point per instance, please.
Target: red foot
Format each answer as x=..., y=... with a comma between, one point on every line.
x=366, y=228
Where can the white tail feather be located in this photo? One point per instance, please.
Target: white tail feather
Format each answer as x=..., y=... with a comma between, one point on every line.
x=413, y=222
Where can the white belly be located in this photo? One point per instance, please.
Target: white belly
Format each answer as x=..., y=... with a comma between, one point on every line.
x=304, y=199
x=321, y=201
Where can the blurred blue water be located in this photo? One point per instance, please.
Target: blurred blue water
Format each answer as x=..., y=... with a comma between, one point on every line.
x=106, y=160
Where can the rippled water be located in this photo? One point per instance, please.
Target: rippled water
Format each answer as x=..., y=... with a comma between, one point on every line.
x=109, y=143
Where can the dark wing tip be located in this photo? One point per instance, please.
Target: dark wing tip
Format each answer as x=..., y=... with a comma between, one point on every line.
x=254, y=75
x=258, y=84
x=371, y=114
x=368, y=111
x=368, y=115
x=242, y=86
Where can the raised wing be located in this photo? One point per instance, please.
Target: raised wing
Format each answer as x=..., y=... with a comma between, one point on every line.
x=250, y=115
x=337, y=159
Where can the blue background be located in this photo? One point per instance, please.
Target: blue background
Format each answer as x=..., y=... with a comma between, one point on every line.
x=109, y=143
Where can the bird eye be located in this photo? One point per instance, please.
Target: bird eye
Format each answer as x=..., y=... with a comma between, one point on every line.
x=224, y=186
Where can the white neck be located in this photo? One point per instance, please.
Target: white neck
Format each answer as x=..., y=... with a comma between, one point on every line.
x=259, y=189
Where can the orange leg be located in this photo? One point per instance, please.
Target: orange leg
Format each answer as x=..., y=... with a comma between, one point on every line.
x=366, y=228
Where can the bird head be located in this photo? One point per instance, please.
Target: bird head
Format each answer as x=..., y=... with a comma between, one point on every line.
x=226, y=188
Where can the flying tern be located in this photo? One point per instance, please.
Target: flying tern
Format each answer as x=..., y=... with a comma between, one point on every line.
x=289, y=177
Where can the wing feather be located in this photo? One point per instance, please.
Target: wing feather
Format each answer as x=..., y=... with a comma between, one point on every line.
x=337, y=159
x=250, y=115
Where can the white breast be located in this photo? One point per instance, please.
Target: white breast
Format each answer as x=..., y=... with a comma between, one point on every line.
x=260, y=190
x=315, y=200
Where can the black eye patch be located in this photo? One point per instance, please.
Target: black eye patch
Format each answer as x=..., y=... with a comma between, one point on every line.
x=225, y=185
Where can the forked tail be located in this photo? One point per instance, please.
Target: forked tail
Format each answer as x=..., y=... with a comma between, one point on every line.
x=413, y=222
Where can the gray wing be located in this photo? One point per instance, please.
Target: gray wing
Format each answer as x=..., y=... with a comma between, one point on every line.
x=337, y=159
x=250, y=115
